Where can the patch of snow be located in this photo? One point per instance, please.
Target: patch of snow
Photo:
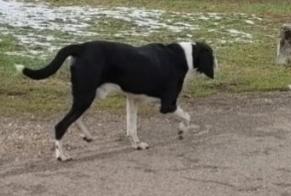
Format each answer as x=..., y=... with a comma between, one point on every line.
x=256, y=17
x=203, y=18
x=40, y=27
x=235, y=32
x=222, y=41
x=250, y=22
x=211, y=30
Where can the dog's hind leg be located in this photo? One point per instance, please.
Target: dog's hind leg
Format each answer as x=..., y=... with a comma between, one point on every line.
x=81, y=102
x=102, y=92
x=131, y=116
x=86, y=135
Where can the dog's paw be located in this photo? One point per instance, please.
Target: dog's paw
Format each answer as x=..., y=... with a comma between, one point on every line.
x=140, y=146
x=87, y=139
x=61, y=156
x=64, y=158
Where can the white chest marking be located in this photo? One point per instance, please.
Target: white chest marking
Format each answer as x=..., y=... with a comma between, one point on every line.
x=187, y=47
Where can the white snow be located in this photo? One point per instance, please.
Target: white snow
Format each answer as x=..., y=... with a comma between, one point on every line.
x=235, y=32
x=250, y=22
x=42, y=28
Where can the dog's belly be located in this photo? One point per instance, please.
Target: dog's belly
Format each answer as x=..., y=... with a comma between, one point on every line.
x=107, y=88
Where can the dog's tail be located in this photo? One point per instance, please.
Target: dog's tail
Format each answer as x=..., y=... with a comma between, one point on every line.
x=53, y=66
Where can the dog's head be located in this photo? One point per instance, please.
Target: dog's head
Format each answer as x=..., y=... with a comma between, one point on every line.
x=204, y=60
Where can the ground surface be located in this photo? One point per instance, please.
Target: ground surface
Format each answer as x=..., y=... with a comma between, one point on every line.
x=241, y=148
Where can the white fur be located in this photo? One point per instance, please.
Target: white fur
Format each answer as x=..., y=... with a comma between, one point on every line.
x=60, y=155
x=184, y=125
x=105, y=89
x=131, y=119
x=182, y=114
x=187, y=47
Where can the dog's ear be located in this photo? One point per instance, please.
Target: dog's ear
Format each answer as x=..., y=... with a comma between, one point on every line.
x=203, y=59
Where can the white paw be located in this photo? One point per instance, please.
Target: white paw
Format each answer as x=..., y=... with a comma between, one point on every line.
x=60, y=156
x=140, y=146
x=64, y=158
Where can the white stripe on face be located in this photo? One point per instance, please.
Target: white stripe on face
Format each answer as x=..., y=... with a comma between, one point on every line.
x=187, y=47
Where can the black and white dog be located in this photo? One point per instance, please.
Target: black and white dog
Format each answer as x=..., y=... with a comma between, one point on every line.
x=156, y=71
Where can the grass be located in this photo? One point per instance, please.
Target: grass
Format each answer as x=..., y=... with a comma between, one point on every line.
x=245, y=67
x=246, y=6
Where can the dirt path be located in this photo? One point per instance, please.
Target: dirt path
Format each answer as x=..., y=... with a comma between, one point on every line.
x=242, y=148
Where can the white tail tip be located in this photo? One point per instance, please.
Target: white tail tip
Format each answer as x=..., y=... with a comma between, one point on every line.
x=19, y=68
x=289, y=86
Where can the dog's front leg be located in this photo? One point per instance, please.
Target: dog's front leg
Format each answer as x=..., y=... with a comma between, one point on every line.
x=186, y=118
x=184, y=125
x=169, y=105
x=184, y=115
x=131, y=117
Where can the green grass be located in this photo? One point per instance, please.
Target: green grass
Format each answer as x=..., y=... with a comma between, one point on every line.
x=244, y=67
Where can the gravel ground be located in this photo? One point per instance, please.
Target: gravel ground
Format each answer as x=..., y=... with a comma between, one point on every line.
x=242, y=147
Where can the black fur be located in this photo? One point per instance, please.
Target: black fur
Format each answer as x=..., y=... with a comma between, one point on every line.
x=203, y=62
x=155, y=70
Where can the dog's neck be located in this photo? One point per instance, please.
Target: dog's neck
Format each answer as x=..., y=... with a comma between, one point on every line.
x=187, y=47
